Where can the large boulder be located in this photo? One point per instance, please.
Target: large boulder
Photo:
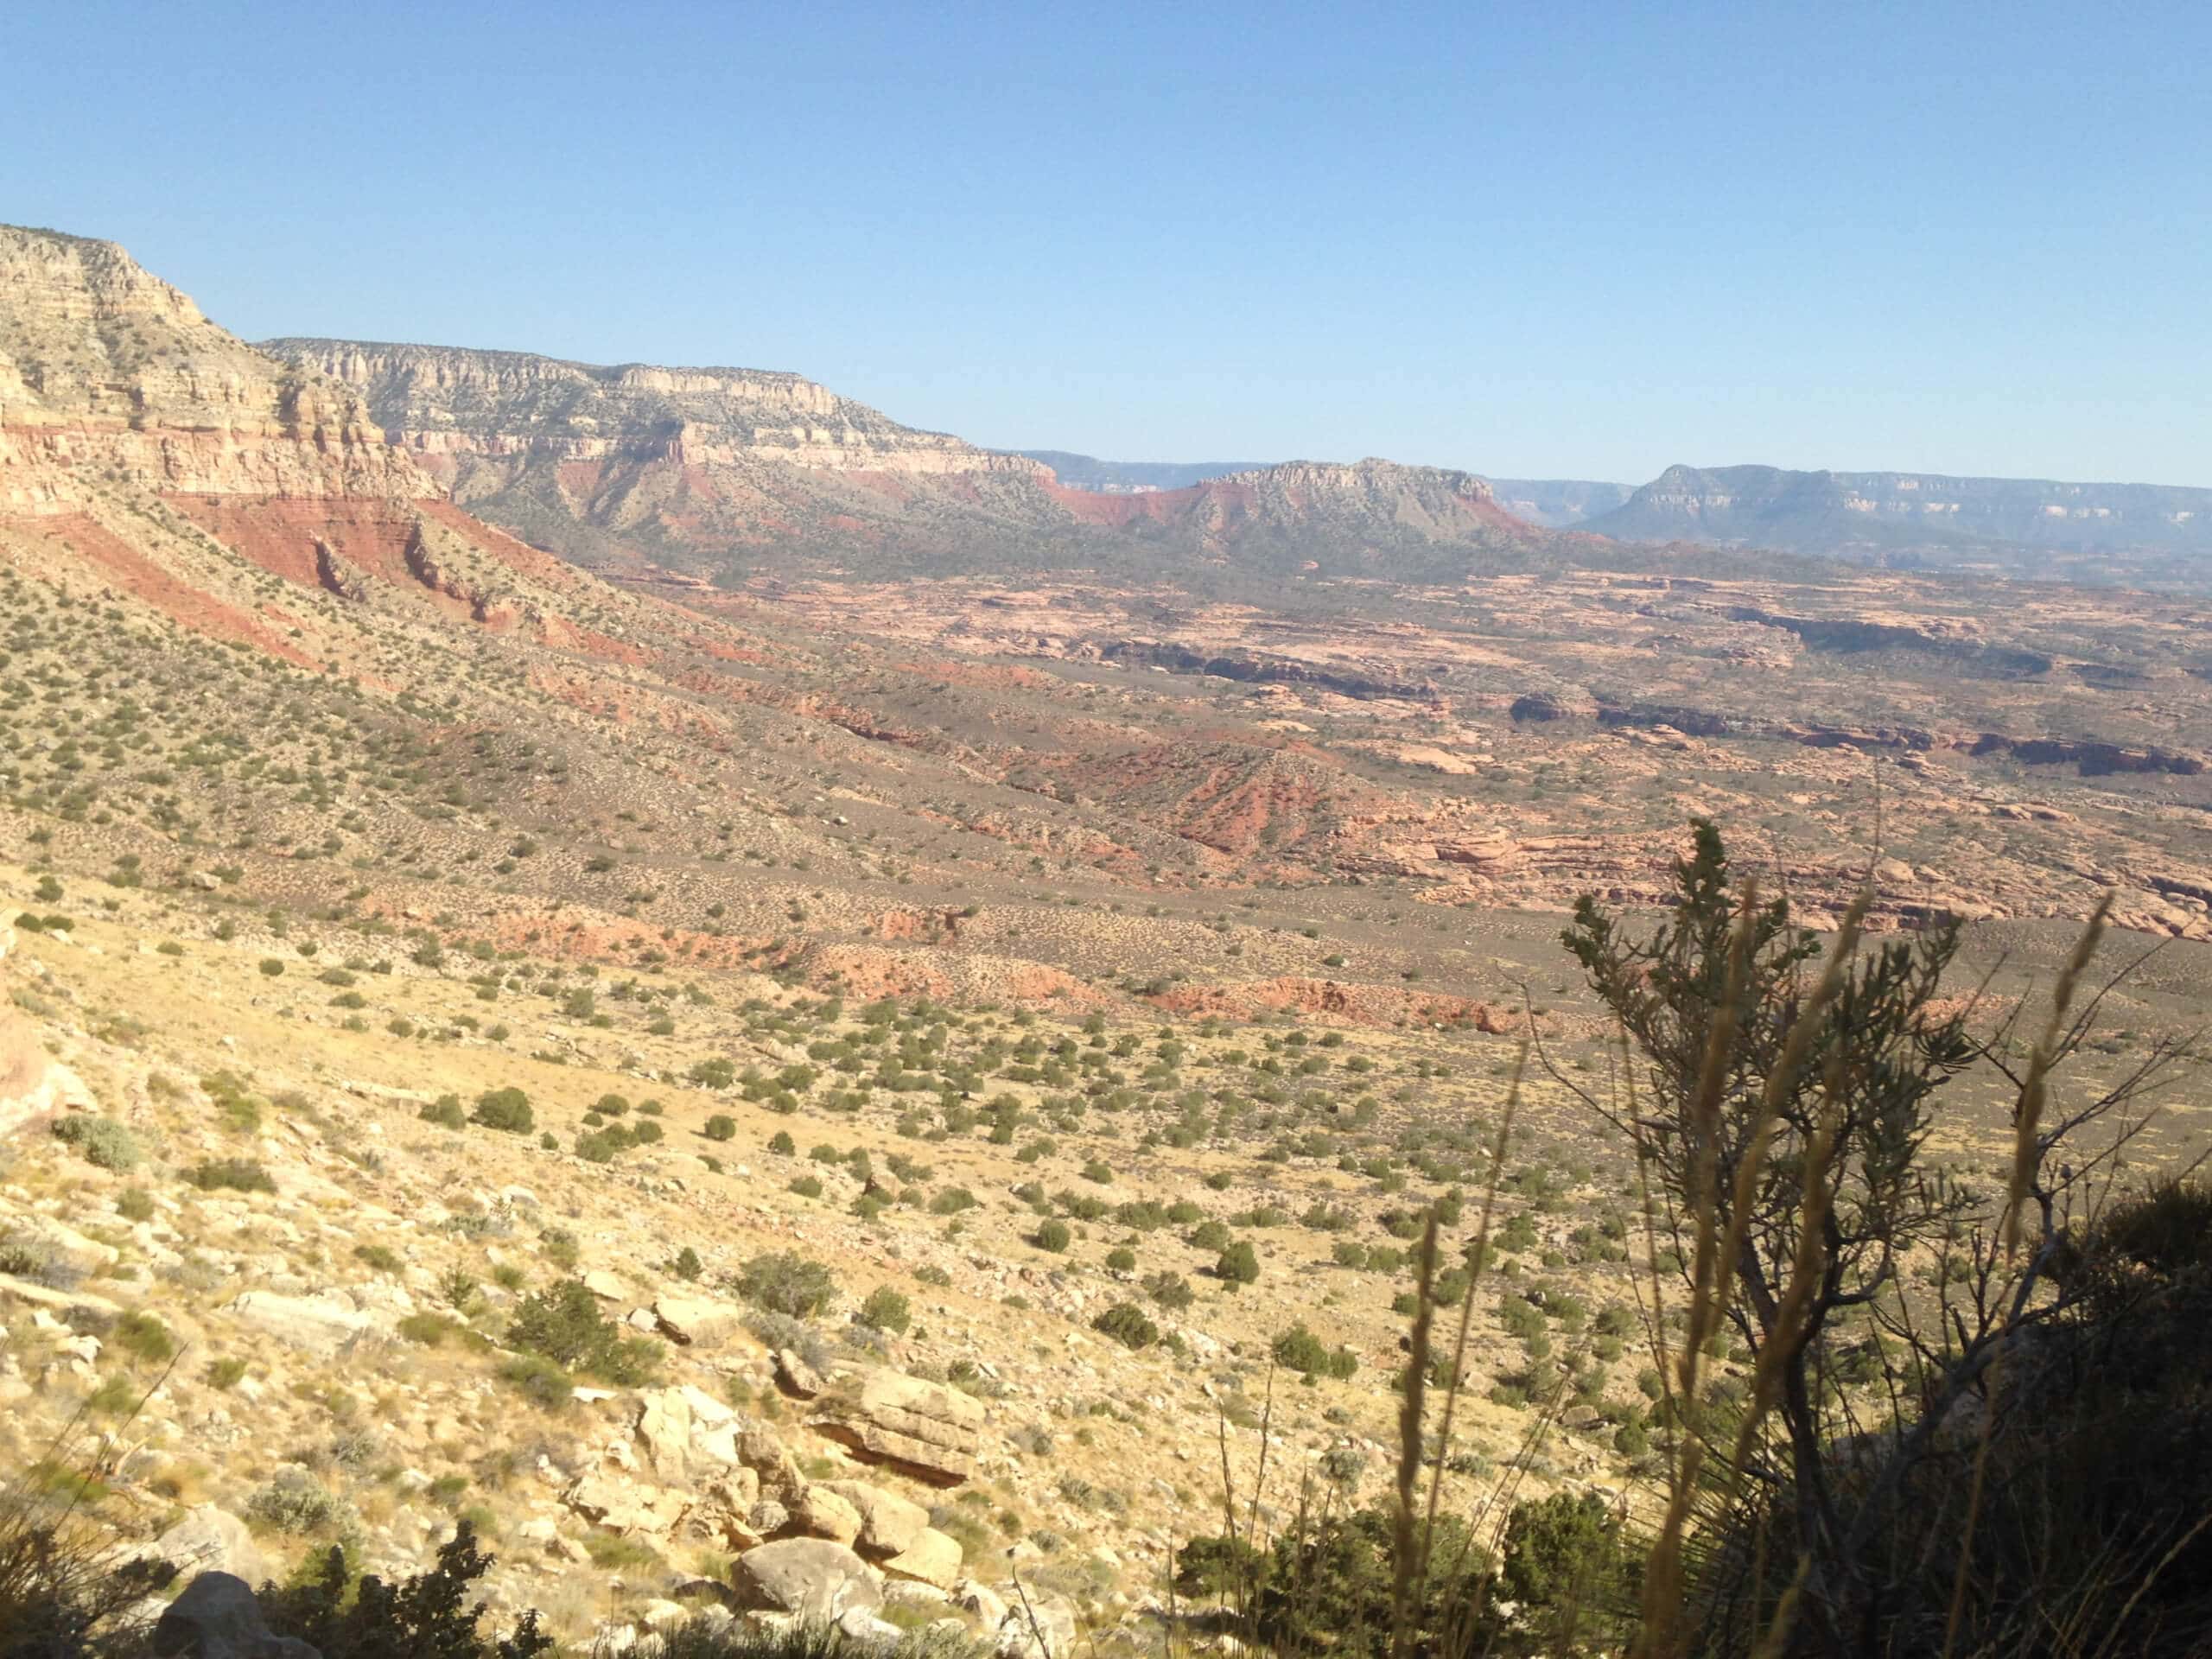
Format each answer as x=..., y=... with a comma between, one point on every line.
x=217, y=1617
x=758, y=1450
x=932, y=1559
x=327, y=1324
x=987, y=1603
x=664, y=1430
x=686, y=1434
x=809, y=1578
x=924, y=1429
x=1038, y=1627
x=210, y=1539
x=867, y=1629
x=697, y=1321
x=889, y=1523
x=822, y=1514
x=795, y=1376
x=613, y=1502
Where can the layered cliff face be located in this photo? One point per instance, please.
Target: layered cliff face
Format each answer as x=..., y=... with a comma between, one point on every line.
x=1820, y=511
x=109, y=375
x=709, y=469
x=443, y=402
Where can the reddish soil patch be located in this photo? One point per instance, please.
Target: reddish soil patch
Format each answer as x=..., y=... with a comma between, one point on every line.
x=142, y=579
x=1117, y=511
x=279, y=533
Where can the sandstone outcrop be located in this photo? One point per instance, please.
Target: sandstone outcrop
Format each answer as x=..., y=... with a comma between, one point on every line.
x=210, y=1539
x=323, y=1324
x=697, y=1321
x=810, y=1578
x=924, y=1429
x=889, y=1523
x=106, y=371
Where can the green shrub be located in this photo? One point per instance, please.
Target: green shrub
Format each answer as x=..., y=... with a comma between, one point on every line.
x=1127, y=1324
x=1053, y=1235
x=722, y=1127
x=1171, y=1290
x=1207, y=1567
x=784, y=1282
x=235, y=1174
x=444, y=1110
x=101, y=1141
x=538, y=1379
x=1121, y=1259
x=427, y=1330
x=1564, y=1554
x=142, y=1337
x=504, y=1108
x=562, y=1323
x=224, y=1375
x=886, y=1310
x=1299, y=1349
x=295, y=1502
x=432, y=1614
x=1239, y=1264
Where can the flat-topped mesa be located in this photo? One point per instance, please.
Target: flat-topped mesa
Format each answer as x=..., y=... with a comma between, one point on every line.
x=106, y=371
x=1377, y=478
x=1770, y=506
x=445, y=401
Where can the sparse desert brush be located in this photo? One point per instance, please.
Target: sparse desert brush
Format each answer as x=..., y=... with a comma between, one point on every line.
x=562, y=1323
x=1127, y=1324
x=783, y=1282
x=101, y=1141
x=234, y=1174
x=886, y=1309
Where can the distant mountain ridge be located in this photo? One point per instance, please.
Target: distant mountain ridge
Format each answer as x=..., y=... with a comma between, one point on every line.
x=1132, y=477
x=1559, y=503
x=1831, y=511
x=1546, y=503
x=715, y=470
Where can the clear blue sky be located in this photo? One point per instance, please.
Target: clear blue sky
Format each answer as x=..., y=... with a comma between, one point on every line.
x=1563, y=240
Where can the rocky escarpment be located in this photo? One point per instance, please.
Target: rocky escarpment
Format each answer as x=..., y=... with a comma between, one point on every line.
x=698, y=468
x=447, y=402
x=110, y=376
x=1768, y=506
x=1370, y=503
